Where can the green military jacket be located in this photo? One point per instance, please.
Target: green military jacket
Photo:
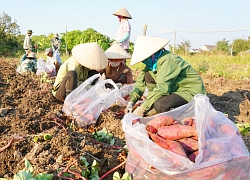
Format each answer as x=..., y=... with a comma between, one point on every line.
x=174, y=75
x=68, y=65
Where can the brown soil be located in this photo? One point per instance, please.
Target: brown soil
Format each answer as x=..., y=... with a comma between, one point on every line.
x=28, y=109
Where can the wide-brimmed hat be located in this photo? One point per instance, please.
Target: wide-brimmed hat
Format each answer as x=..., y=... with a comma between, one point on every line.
x=123, y=12
x=29, y=31
x=145, y=46
x=31, y=54
x=116, y=52
x=90, y=55
x=56, y=35
x=48, y=50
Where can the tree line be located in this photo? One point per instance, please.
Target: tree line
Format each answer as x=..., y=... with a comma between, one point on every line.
x=11, y=41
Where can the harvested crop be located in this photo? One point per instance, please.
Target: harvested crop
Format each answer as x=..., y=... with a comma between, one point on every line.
x=168, y=144
x=190, y=145
x=161, y=121
x=177, y=131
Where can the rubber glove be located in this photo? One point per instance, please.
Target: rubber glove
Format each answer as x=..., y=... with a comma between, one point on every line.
x=129, y=108
x=139, y=111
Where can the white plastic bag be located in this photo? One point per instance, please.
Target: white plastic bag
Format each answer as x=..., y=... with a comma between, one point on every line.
x=231, y=161
x=86, y=106
x=44, y=67
x=77, y=94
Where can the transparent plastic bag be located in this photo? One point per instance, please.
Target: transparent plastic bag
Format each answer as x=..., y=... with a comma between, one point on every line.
x=44, y=67
x=87, y=106
x=230, y=158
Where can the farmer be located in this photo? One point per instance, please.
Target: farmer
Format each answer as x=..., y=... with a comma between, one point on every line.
x=27, y=41
x=56, y=43
x=116, y=70
x=124, y=30
x=171, y=81
x=53, y=57
x=29, y=64
x=74, y=71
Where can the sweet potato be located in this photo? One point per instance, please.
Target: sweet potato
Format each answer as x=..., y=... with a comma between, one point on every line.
x=188, y=121
x=189, y=145
x=226, y=129
x=207, y=173
x=216, y=147
x=161, y=121
x=151, y=128
x=177, y=131
x=168, y=144
x=193, y=155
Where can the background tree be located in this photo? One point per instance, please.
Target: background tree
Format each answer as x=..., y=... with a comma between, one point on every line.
x=223, y=46
x=8, y=32
x=240, y=45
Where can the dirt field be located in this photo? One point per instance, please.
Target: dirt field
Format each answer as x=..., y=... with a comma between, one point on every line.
x=28, y=110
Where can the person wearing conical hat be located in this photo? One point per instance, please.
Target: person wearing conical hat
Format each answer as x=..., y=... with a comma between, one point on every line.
x=27, y=41
x=74, y=71
x=56, y=43
x=116, y=70
x=29, y=64
x=171, y=81
x=124, y=30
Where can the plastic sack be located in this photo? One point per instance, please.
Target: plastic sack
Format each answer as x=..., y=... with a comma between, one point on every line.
x=229, y=160
x=125, y=90
x=86, y=105
x=44, y=67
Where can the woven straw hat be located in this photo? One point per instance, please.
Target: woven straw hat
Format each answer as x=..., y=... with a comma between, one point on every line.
x=29, y=31
x=116, y=52
x=47, y=51
x=145, y=46
x=90, y=55
x=123, y=12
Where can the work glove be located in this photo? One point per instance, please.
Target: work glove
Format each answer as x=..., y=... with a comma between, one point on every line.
x=129, y=108
x=139, y=111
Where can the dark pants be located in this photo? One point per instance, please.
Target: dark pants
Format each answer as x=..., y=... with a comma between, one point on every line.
x=121, y=79
x=67, y=85
x=165, y=103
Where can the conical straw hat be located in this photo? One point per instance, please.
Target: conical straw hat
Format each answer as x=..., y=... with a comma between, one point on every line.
x=123, y=12
x=116, y=52
x=90, y=55
x=145, y=46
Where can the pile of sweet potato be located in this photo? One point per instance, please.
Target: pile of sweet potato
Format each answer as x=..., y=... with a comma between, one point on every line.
x=181, y=138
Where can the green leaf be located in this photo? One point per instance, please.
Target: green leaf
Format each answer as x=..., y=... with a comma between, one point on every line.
x=116, y=176
x=126, y=176
x=43, y=176
x=23, y=175
x=47, y=137
x=35, y=139
x=112, y=142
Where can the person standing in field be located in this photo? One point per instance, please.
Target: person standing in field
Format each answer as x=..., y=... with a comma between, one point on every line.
x=171, y=81
x=56, y=43
x=124, y=30
x=27, y=41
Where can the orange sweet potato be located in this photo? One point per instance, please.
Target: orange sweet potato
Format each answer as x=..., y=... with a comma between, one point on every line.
x=189, y=145
x=151, y=128
x=177, y=131
x=188, y=121
x=161, y=121
x=226, y=129
x=168, y=144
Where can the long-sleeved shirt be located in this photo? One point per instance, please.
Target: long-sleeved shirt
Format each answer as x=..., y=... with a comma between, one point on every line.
x=27, y=42
x=68, y=65
x=174, y=75
x=114, y=72
x=124, y=28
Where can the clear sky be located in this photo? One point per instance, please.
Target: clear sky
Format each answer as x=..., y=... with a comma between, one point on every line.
x=202, y=22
